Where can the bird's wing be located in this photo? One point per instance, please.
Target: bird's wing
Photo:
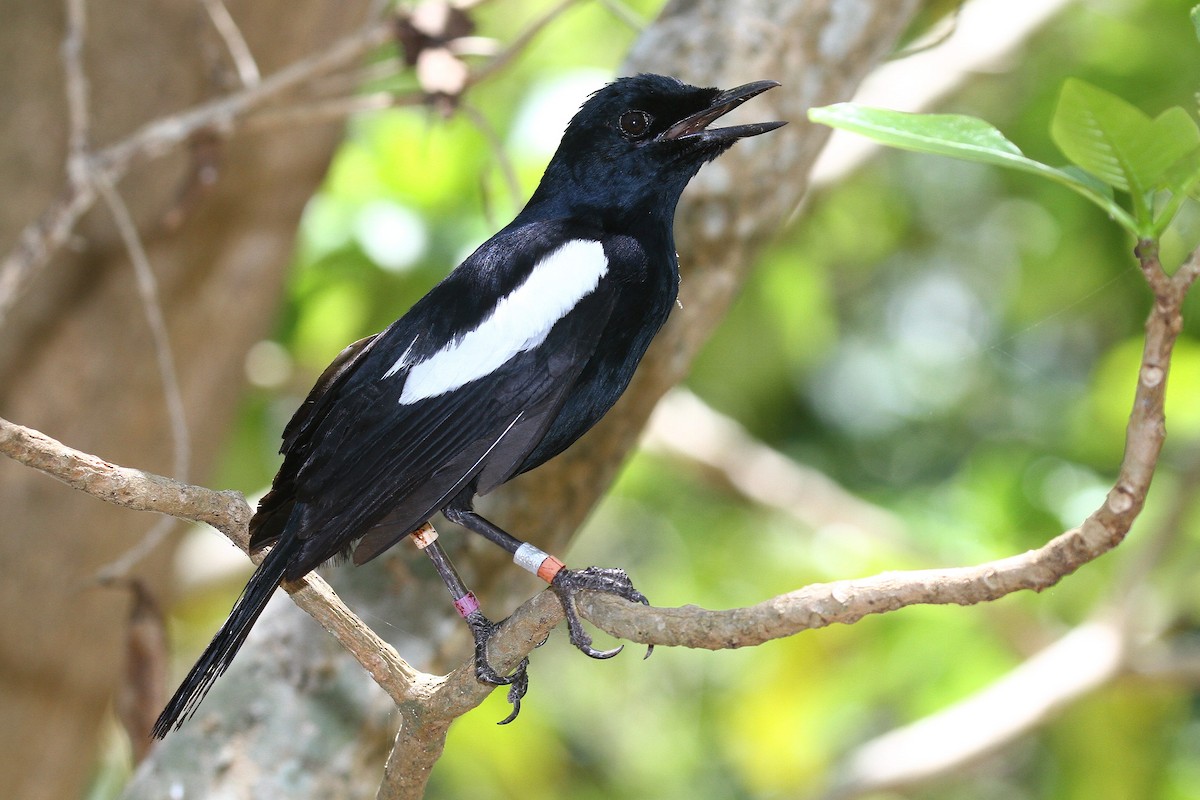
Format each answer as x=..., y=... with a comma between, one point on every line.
x=496, y=424
x=276, y=506
x=403, y=425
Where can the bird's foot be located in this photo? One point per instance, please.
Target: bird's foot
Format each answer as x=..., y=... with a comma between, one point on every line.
x=482, y=629
x=568, y=582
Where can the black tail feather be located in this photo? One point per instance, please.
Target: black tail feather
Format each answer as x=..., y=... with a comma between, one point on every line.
x=221, y=650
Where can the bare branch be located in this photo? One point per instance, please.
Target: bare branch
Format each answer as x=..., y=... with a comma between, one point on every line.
x=845, y=602
x=1086, y=658
x=428, y=706
x=78, y=117
x=235, y=43
x=45, y=235
x=228, y=512
x=1120, y=639
x=685, y=427
x=148, y=291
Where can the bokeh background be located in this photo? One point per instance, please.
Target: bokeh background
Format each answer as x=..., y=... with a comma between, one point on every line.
x=954, y=346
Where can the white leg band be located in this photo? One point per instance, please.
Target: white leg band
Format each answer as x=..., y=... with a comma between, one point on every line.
x=529, y=558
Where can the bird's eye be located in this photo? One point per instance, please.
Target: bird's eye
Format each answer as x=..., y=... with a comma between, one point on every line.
x=635, y=124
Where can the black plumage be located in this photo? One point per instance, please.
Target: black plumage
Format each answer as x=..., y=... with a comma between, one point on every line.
x=500, y=367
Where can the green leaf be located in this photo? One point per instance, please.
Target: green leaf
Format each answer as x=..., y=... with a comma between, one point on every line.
x=953, y=135
x=1182, y=181
x=1085, y=177
x=1117, y=142
x=957, y=136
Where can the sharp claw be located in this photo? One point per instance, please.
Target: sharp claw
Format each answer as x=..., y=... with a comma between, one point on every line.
x=519, y=686
x=611, y=581
x=482, y=629
x=485, y=674
x=601, y=654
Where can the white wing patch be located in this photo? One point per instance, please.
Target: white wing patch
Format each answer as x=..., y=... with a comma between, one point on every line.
x=403, y=361
x=520, y=322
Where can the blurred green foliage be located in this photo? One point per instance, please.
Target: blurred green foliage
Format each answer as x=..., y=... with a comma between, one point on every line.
x=955, y=343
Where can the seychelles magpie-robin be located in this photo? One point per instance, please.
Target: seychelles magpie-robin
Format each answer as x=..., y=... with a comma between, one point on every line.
x=500, y=367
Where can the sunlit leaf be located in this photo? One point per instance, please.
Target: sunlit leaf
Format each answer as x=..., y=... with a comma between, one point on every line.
x=1182, y=181
x=953, y=135
x=958, y=136
x=1116, y=141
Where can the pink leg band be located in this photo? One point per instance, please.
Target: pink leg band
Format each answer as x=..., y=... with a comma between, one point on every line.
x=467, y=604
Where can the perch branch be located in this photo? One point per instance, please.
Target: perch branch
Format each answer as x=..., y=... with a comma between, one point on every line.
x=429, y=704
x=845, y=602
x=228, y=512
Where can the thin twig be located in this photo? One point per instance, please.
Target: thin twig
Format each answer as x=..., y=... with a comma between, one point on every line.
x=161, y=136
x=43, y=237
x=147, y=286
x=181, y=439
x=75, y=77
x=331, y=110
x=235, y=42
x=502, y=59
x=40, y=239
x=480, y=121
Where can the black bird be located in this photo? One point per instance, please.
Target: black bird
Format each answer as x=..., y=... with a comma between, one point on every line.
x=504, y=364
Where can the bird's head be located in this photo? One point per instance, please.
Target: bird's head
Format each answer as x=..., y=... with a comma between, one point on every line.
x=637, y=142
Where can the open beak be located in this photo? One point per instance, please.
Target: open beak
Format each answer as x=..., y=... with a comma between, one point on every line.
x=696, y=125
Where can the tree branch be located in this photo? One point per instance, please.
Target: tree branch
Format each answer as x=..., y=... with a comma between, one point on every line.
x=428, y=705
x=1122, y=637
x=684, y=427
x=38, y=242
x=845, y=602
x=228, y=512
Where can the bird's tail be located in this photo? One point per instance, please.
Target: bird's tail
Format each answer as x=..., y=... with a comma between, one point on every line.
x=220, y=651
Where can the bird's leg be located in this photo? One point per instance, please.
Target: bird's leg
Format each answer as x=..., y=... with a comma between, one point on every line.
x=481, y=627
x=566, y=583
